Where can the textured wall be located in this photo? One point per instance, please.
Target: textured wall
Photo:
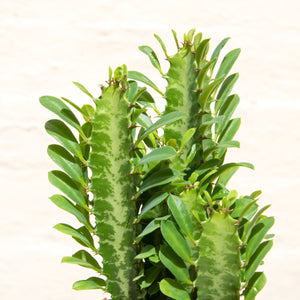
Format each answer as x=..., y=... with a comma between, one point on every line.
x=44, y=45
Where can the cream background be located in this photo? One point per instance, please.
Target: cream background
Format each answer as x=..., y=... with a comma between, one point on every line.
x=45, y=45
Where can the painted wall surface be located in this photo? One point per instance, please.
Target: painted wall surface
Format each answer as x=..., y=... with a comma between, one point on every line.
x=45, y=45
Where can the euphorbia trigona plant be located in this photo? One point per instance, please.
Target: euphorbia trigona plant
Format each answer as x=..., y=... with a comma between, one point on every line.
x=153, y=204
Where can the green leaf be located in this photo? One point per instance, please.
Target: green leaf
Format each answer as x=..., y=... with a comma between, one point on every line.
x=73, y=104
x=173, y=289
x=146, y=99
x=226, y=176
x=217, y=51
x=62, y=110
x=230, y=130
x=144, y=120
x=230, y=144
x=142, y=78
x=227, y=63
x=162, y=44
x=152, y=56
x=152, y=226
x=152, y=202
x=227, y=110
x=203, y=74
x=181, y=215
x=158, y=178
x=81, y=87
x=83, y=259
x=146, y=252
x=76, y=234
x=64, y=183
x=162, y=153
x=255, y=285
x=204, y=96
x=176, y=241
x=174, y=264
x=131, y=92
x=187, y=136
x=244, y=208
x=64, y=136
x=63, y=203
x=175, y=38
x=255, y=219
x=201, y=52
x=225, y=90
x=197, y=40
x=257, y=258
x=67, y=162
x=189, y=35
x=226, y=167
x=91, y=283
x=88, y=112
x=138, y=95
x=149, y=277
x=164, y=120
x=257, y=235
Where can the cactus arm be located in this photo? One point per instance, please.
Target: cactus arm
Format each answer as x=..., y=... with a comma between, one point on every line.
x=112, y=188
x=180, y=93
x=219, y=259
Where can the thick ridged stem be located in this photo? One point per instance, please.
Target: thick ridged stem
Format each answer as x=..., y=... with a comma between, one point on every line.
x=112, y=189
x=219, y=261
x=181, y=96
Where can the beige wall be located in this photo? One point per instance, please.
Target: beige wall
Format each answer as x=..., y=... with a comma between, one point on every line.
x=44, y=45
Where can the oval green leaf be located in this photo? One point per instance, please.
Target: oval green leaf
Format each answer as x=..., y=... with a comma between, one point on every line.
x=162, y=153
x=152, y=202
x=75, y=233
x=225, y=90
x=83, y=259
x=176, y=241
x=66, y=161
x=142, y=78
x=62, y=110
x=217, y=51
x=82, y=88
x=152, y=56
x=257, y=258
x=91, y=283
x=255, y=285
x=174, y=264
x=64, y=183
x=227, y=63
x=257, y=235
x=158, y=178
x=63, y=203
x=187, y=136
x=64, y=136
x=173, y=289
x=164, y=120
x=181, y=215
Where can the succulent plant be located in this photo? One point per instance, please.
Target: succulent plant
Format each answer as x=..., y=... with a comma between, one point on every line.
x=154, y=194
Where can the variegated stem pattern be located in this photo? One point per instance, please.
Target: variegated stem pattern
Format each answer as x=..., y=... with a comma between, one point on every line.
x=112, y=187
x=181, y=95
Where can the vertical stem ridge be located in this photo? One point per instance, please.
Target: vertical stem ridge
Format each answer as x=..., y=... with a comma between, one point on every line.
x=112, y=188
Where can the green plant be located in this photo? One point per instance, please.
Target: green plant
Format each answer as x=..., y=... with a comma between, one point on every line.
x=168, y=227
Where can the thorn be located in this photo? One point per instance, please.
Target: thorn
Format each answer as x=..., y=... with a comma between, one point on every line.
x=131, y=126
x=124, y=89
